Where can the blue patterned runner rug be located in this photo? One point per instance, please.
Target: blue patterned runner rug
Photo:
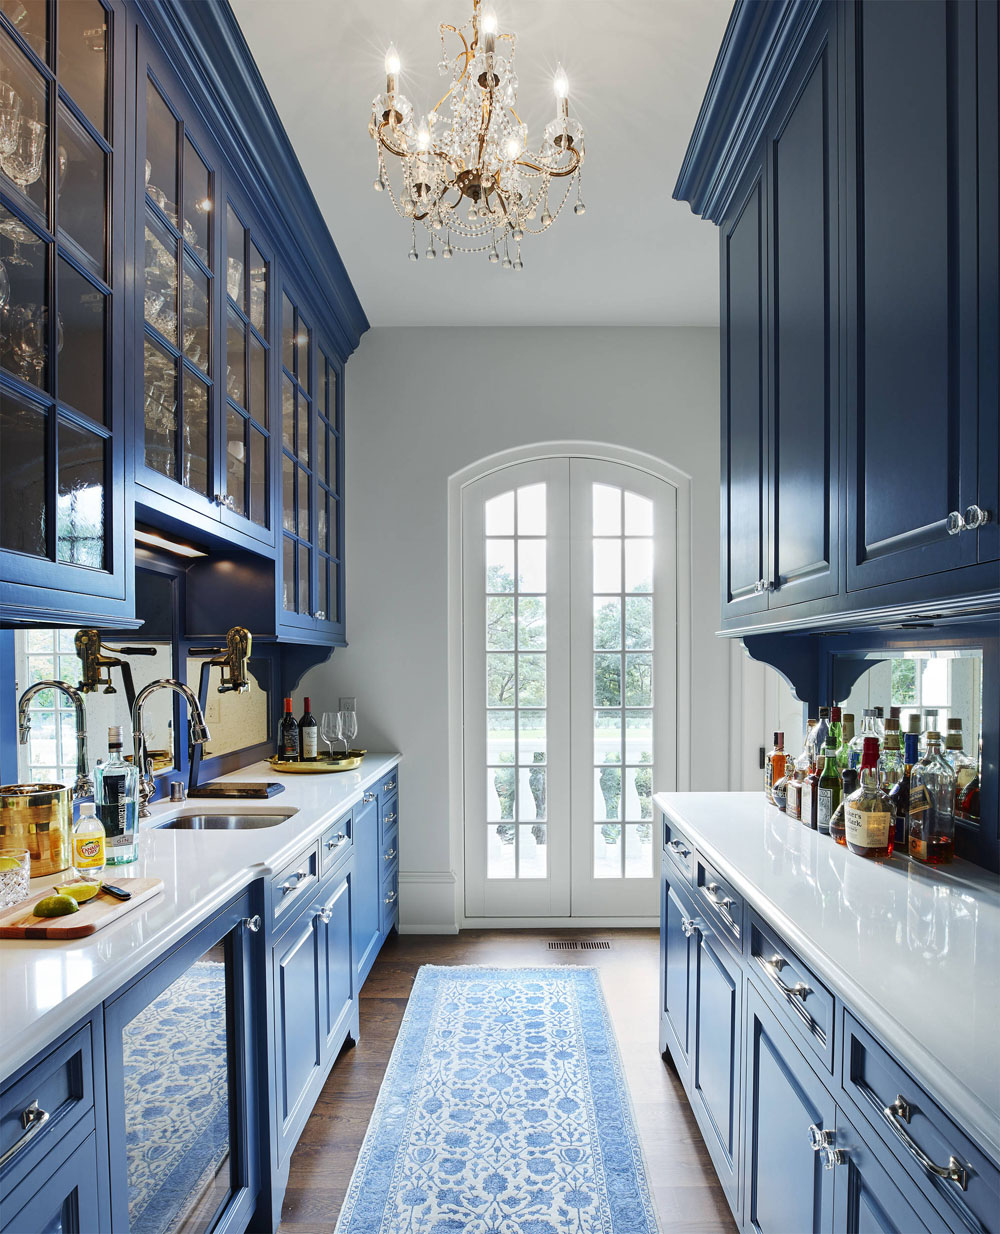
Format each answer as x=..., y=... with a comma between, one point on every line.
x=504, y=1110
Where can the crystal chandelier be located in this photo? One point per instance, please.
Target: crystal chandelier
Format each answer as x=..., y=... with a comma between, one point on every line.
x=466, y=169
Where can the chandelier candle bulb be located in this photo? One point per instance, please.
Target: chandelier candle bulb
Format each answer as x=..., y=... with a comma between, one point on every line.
x=391, y=69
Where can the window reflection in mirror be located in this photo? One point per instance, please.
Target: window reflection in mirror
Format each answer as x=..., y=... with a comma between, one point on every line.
x=235, y=721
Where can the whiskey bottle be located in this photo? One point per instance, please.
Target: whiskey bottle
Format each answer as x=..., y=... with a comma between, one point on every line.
x=899, y=793
x=848, y=783
x=868, y=823
x=774, y=766
x=810, y=793
x=965, y=768
x=932, y=806
x=828, y=791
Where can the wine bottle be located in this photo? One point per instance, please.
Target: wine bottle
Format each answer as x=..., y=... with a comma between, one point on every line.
x=308, y=734
x=288, y=736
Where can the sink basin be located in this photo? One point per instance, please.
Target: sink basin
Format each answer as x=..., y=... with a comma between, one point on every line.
x=224, y=822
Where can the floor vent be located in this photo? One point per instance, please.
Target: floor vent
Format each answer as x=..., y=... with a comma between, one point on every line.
x=564, y=944
x=595, y=944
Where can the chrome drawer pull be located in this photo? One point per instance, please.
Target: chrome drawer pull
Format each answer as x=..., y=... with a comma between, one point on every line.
x=367, y=798
x=298, y=876
x=774, y=966
x=722, y=905
x=390, y=817
x=387, y=788
x=32, y=1120
x=678, y=847
x=899, y=1112
x=390, y=854
x=339, y=838
x=390, y=898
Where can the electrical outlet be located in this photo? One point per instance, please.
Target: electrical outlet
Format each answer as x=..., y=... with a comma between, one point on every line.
x=348, y=704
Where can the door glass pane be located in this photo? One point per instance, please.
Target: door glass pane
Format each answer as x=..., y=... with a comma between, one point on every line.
x=288, y=575
x=330, y=462
x=323, y=598
x=258, y=382
x=607, y=510
x=195, y=473
x=638, y=850
x=83, y=57
x=30, y=19
x=638, y=515
x=639, y=623
x=80, y=508
x=258, y=477
x=303, y=354
x=531, y=623
x=197, y=292
x=500, y=626
x=305, y=558
x=302, y=428
x=287, y=493
x=322, y=522
x=288, y=413
x=197, y=201
x=160, y=413
x=24, y=131
x=333, y=609
x=81, y=187
x=531, y=861
x=161, y=280
x=24, y=336
x=608, y=850
x=80, y=343
x=258, y=290
x=22, y=493
x=235, y=245
x=161, y=153
x=607, y=623
x=236, y=459
x=303, y=527
x=177, y=1056
x=531, y=510
x=288, y=334
x=236, y=359
x=638, y=565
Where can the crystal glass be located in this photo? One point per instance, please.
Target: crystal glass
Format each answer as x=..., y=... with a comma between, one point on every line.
x=24, y=163
x=349, y=725
x=330, y=729
x=15, y=870
x=10, y=118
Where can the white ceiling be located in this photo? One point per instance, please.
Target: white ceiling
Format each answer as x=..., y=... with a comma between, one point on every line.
x=638, y=70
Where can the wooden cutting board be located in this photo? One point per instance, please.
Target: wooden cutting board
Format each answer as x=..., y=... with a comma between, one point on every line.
x=103, y=910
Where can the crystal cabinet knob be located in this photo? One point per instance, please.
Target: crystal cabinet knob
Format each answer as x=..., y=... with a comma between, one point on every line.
x=975, y=517
x=956, y=523
x=252, y=923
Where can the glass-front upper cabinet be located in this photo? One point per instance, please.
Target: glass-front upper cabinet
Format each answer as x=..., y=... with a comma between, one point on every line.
x=63, y=539
x=310, y=562
x=205, y=294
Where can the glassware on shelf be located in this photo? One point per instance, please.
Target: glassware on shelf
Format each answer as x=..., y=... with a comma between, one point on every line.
x=869, y=728
x=774, y=765
x=25, y=161
x=932, y=806
x=868, y=821
x=10, y=118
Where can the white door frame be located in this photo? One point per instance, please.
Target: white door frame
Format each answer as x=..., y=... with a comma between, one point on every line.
x=601, y=451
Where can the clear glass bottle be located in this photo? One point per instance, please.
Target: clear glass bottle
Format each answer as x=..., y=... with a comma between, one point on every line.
x=868, y=822
x=89, y=854
x=828, y=791
x=930, y=725
x=819, y=733
x=810, y=794
x=803, y=764
x=890, y=762
x=965, y=768
x=836, y=734
x=116, y=795
x=848, y=783
x=932, y=806
x=846, y=738
x=868, y=729
x=879, y=718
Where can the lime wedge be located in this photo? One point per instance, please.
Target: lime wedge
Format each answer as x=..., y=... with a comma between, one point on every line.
x=56, y=906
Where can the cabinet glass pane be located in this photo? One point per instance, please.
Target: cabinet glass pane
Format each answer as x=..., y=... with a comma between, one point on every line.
x=80, y=505
x=22, y=493
x=160, y=413
x=23, y=129
x=235, y=252
x=330, y=459
x=305, y=557
x=287, y=334
x=258, y=290
x=30, y=19
x=333, y=606
x=287, y=493
x=177, y=1055
x=161, y=153
x=197, y=293
x=322, y=522
x=323, y=598
x=303, y=354
x=323, y=368
x=258, y=477
x=161, y=280
x=236, y=359
x=302, y=429
x=288, y=576
x=258, y=381
x=23, y=340
x=81, y=187
x=303, y=505
x=195, y=472
x=236, y=460
x=83, y=58
x=288, y=413
x=197, y=201
x=80, y=343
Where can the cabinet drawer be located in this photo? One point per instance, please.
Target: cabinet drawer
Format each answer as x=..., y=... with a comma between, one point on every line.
x=678, y=848
x=38, y=1110
x=390, y=852
x=388, y=817
x=390, y=782
x=927, y=1142
x=802, y=1001
x=335, y=842
x=389, y=901
x=57, y=1197
x=294, y=885
x=723, y=905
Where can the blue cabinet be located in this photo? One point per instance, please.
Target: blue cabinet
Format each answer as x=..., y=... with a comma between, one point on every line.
x=678, y=944
x=865, y=1199
x=339, y=1004
x=60, y=1201
x=366, y=905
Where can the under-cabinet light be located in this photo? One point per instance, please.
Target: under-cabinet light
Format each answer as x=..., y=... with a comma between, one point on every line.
x=153, y=539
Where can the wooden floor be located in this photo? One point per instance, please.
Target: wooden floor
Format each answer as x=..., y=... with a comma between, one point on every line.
x=688, y=1196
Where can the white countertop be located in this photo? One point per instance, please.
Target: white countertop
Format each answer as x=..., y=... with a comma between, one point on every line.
x=915, y=953
x=46, y=987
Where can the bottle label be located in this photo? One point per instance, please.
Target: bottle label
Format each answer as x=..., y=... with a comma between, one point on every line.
x=794, y=799
x=824, y=808
x=768, y=773
x=867, y=828
x=117, y=811
x=806, y=809
x=920, y=800
x=779, y=793
x=88, y=852
x=309, y=742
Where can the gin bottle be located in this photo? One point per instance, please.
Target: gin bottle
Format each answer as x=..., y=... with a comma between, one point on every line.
x=868, y=821
x=116, y=795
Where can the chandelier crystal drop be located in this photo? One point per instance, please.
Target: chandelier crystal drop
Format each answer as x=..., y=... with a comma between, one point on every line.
x=466, y=165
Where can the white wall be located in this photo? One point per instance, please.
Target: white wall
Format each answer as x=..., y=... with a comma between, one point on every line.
x=426, y=403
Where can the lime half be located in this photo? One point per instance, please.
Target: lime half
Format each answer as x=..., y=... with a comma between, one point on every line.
x=56, y=906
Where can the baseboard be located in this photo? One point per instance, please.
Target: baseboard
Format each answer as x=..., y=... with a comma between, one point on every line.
x=559, y=923
x=427, y=902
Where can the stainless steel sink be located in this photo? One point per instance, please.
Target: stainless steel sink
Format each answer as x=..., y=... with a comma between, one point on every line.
x=224, y=822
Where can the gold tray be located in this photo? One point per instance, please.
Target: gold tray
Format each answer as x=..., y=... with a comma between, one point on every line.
x=321, y=766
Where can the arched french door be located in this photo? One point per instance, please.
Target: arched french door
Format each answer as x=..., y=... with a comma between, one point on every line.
x=569, y=612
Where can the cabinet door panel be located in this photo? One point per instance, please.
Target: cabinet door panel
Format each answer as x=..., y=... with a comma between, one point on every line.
x=66, y=1201
x=866, y=1200
x=786, y=1187
x=338, y=964
x=675, y=976
x=988, y=48
x=912, y=357
x=744, y=458
x=366, y=902
x=803, y=248
x=297, y=1021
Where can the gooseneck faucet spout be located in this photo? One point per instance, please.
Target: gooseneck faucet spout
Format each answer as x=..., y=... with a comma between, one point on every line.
x=84, y=786
x=198, y=729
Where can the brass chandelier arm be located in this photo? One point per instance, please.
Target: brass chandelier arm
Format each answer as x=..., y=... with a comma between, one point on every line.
x=465, y=67
x=555, y=173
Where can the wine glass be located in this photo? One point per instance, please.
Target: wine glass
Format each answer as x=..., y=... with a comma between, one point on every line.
x=24, y=163
x=10, y=118
x=330, y=729
x=349, y=729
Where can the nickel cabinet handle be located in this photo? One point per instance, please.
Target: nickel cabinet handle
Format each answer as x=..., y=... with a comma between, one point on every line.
x=339, y=838
x=390, y=898
x=33, y=1119
x=678, y=847
x=899, y=1113
x=388, y=786
x=368, y=797
x=294, y=881
x=773, y=967
x=390, y=817
x=390, y=854
x=722, y=904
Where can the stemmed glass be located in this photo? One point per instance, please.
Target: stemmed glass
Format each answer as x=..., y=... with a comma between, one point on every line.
x=349, y=729
x=10, y=118
x=330, y=729
x=24, y=163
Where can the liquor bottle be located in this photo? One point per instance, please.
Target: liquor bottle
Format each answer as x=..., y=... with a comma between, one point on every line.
x=932, y=806
x=846, y=737
x=868, y=824
x=848, y=783
x=868, y=729
x=779, y=789
x=803, y=764
x=308, y=734
x=288, y=736
x=899, y=793
x=836, y=733
x=828, y=791
x=890, y=762
x=967, y=804
x=820, y=733
x=879, y=717
x=810, y=793
x=116, y=795
x=88, y=845
x=965, y=768
x=774, y=766
x=930, y=723
x=913, y=723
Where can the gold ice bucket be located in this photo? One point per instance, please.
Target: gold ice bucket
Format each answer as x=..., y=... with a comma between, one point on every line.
x=38, y=817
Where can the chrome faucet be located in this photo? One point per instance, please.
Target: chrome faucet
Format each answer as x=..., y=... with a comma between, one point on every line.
x=198, y=729
x=84, y=786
